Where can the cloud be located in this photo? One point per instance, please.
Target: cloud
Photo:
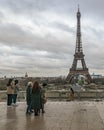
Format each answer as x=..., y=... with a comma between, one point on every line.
x=40, y=36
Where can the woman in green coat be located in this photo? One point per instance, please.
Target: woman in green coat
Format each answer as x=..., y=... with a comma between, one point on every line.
x=36, y=95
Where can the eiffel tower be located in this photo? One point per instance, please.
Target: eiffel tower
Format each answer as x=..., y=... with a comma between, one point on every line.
x=78, y=56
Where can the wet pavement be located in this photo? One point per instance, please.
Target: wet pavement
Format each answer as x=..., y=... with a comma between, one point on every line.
x=77, y=115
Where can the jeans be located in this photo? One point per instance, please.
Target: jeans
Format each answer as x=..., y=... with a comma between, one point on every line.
x=14, y=98
x=28, y=109
x=9, y=99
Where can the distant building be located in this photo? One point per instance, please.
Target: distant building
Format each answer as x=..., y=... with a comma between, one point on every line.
x=95, y=76
x=5, y=77
x=26, y=75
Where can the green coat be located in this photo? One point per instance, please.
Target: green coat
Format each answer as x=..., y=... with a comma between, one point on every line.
x=35, y=100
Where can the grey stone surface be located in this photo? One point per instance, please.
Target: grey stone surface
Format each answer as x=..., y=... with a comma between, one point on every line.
x=77, y=115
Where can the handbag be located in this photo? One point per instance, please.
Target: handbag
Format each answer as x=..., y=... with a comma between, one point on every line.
x=44, y=100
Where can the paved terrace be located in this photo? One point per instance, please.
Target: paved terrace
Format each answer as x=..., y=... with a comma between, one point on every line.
x=77, y=115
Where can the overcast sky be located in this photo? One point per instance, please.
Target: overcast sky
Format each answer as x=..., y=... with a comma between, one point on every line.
x=39, y=36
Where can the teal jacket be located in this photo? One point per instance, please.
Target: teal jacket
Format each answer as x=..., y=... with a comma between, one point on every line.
x=28, y=95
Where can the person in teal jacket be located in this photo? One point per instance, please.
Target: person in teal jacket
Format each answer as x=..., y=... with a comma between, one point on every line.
x=28, y=97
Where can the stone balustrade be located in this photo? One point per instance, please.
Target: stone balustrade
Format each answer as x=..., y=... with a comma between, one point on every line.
x=59, y=95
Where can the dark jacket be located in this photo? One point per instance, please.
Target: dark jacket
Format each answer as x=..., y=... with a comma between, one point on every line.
x=35, y=101
x=28, y=95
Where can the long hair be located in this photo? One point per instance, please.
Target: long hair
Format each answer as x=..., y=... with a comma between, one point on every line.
x=35, y=86
x=72, y=90
x=16, y=81
x=9, y=82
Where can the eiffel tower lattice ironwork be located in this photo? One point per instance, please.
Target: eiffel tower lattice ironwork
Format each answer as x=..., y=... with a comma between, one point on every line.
x=78, y=56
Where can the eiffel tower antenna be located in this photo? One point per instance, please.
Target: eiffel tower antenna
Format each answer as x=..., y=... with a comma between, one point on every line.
x=78, y=56
x=78, y=7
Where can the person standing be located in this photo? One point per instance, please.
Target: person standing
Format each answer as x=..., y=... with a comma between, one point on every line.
x=42, y=98
x=28, y=97
x=71, y=94
x=36, y=95
x=16, y=89
x=10, y=91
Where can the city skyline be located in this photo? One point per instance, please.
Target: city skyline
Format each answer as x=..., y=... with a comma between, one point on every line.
x=39, y=37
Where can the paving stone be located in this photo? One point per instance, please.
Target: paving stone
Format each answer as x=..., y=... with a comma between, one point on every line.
x=77, y=115
x=79, y=126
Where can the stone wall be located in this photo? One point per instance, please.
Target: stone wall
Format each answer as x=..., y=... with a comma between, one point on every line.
x=59, y=95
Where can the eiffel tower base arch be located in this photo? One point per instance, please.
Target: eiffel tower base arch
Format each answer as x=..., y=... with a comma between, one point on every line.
x=73, y=73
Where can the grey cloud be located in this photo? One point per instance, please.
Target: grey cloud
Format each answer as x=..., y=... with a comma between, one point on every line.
x=1, y=16
x=15, y=35
x=95, y=7
x=30, y=64
x=63, y=27
x=92, y=31
x=26, y=6
x=59, y=45
x=11, y=33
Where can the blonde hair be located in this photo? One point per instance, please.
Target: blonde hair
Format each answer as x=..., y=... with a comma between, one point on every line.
x=30, y=83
